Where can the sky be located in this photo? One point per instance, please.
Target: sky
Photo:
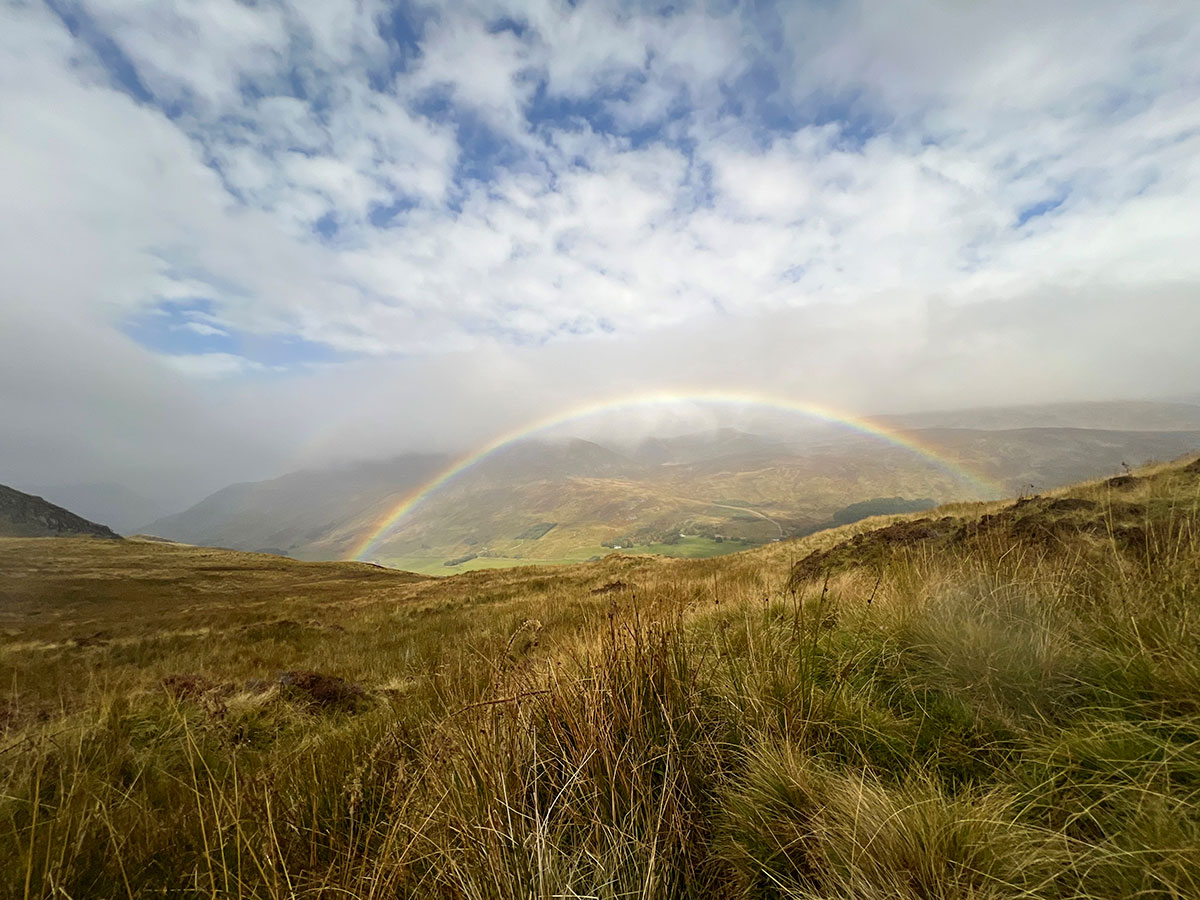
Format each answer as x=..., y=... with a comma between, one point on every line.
x=237, y=238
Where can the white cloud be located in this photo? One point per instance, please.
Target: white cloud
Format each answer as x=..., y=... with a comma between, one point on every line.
x=203, y=329
x=199, y=51
x=483, y=70
x=212, y=365
x=833, y=206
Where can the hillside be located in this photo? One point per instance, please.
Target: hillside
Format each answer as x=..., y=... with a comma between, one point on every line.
x=699, y=494
x=295, y=510
x=1119, y=415
x=119, y=507
x=24, y=515
x=985, y=700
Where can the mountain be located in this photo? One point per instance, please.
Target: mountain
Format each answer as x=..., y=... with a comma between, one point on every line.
x=1119, y=415
x=24, y=515
x=574, y=457
x=707, y=495
x=705, y=445
x=121, y=507
x=1035, y=459
x=298, y=510
x=698, y=494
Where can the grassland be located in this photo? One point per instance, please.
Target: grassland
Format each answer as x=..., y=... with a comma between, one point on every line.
x=436, y=565
x=777, y=497
x=986, y=701
x=692, y=547
x=559, y=502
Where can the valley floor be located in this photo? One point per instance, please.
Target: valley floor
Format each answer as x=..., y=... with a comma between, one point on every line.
x=685, y=548
x=983, y=701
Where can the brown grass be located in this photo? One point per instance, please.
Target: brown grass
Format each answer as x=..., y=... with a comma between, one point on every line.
x=1011, y=712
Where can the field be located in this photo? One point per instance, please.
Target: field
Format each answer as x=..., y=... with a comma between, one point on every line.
x=688, y=548
x=436, y=565
x=983, y=701
x=693, y=548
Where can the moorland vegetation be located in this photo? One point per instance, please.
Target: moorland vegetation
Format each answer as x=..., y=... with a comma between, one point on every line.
x=979, y=701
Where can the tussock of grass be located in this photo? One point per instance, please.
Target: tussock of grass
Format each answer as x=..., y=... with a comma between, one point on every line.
x=796, y=828
x=995, y=708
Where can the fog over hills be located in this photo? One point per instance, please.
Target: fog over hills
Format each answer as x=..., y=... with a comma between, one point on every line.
x=299, y=240
x=1127, y=415
x=119, y=506
x=563, y=499
x=295, y=510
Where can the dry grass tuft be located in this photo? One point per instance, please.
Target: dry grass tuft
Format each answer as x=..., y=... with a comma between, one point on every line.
x=998, y=701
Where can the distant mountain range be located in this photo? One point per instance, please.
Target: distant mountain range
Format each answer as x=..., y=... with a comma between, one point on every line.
x=24, y=515
x=695, y=494
x=1113, y=415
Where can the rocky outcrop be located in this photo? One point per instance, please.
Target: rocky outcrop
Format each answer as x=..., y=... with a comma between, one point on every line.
x=24, y=515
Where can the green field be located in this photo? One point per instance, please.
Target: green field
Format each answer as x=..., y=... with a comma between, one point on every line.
x=692, y=548
x=434, y=565
x=686, y=548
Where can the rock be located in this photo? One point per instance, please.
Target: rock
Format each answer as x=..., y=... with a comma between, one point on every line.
x=24, y=515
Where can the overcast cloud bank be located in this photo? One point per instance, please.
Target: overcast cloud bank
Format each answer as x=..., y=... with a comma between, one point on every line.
x=239, y=238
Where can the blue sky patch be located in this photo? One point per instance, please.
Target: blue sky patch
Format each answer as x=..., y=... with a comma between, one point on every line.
x=385, y=215
x=189, y=326
x=82, y=26
x=192, y=327
x=326, y=226
x=1041, y=208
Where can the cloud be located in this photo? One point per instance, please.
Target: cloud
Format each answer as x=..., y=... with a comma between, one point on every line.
x=212, y=365
x=204, y=330
x=440, y=219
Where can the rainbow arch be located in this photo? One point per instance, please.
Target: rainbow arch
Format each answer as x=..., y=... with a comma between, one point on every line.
x=984, y=486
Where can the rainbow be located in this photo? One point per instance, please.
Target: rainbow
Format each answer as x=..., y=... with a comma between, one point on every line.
x=414, y=498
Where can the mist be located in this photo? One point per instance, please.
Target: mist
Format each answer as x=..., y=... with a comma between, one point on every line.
x=216, y=273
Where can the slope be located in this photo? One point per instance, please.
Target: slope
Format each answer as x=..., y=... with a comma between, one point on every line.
x=746, y=490
x=988, y=700
x=293, y=511
x=698, y=494
x=24, y=515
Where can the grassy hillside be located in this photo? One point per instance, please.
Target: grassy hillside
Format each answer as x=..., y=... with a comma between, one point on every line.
x=757, y=494
x=297, y=509
x=744, y=488
x=982, y=701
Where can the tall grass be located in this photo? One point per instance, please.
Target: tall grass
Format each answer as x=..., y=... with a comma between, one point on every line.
x=1013, y=714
